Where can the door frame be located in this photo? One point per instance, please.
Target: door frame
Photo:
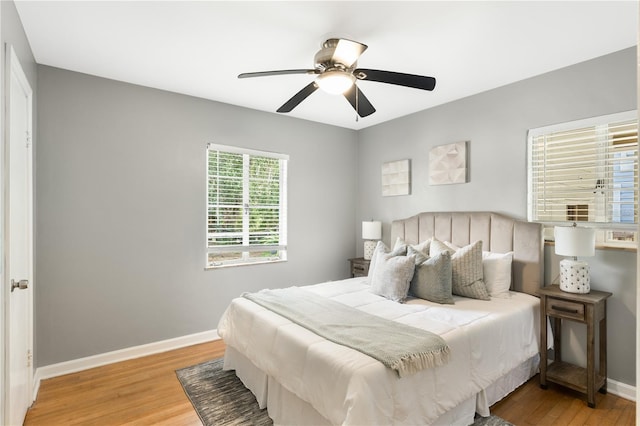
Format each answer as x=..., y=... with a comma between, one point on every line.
x=13, y=68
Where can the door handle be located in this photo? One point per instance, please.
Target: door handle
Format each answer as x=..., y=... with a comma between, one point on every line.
x=22, y=284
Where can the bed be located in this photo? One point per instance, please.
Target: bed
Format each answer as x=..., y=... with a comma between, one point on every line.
x=302, y=378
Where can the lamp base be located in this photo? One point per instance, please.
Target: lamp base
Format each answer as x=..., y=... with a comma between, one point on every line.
x=574, y=276
x=369, y=247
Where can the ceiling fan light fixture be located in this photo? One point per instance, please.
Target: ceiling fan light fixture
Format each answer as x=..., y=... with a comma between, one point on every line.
x=336, y=73
x=335, y=82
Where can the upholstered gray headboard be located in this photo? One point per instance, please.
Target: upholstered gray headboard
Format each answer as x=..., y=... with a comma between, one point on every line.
x=499, y=233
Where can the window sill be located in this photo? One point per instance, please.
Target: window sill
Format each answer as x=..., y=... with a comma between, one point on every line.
x=235, y=265
x=600, y=246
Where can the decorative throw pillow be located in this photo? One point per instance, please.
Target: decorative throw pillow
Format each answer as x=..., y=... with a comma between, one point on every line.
x=422, y=247
x=419, y=255
x=398, y=250
x=438, y=246
x=497, y=273
x=392, y=276
x=466, y=266
x=451, y=245
x=432, y=277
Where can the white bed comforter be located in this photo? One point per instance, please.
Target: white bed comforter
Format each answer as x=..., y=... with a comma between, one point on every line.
x=487, y=340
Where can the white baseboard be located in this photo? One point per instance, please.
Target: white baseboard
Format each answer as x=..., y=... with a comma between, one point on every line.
x=622, y=390
x=73, y=366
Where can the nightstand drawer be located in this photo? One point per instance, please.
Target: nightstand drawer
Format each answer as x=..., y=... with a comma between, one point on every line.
x=359, y=267
x=359, y=270
x=565, y=309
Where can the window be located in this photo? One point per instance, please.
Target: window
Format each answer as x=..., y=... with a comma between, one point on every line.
x=246, y=206
x=587, y=171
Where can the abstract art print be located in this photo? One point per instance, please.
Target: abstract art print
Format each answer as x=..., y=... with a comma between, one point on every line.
x=396, y=178
x=448, y=164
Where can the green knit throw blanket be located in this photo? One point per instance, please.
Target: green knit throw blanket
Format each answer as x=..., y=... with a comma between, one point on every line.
x=400, y=347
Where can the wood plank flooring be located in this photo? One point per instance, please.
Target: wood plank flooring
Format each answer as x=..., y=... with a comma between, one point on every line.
x=146, y=391
x=143, y=391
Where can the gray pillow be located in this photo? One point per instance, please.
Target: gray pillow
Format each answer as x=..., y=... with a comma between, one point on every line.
x=466, y=267
x=432, y=278
x=392, y=276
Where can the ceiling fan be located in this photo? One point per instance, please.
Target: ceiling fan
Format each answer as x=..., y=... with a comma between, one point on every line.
x=335, y=68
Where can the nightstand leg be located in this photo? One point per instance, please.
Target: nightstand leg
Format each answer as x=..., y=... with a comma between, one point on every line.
x=543, y=343
x=557, y=339
x=603, y=350
x=591, y=360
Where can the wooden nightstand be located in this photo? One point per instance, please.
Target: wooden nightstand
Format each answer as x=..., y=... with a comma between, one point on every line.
x=359, y=267
x=589, y=309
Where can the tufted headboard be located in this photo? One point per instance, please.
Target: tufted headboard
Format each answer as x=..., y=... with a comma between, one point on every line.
x=499, y=233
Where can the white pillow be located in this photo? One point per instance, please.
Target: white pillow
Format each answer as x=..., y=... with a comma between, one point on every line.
x=496, y=269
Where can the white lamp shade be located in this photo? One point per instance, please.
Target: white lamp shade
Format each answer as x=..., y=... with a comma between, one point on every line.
x=575, y=241
x=372, y=230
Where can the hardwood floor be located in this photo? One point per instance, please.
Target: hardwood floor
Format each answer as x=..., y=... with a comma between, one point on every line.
x=143, y=391
x=531, y=405
x=146, y=391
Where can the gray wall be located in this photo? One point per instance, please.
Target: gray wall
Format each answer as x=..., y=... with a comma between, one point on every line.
x=121, y=212
x=496, y=124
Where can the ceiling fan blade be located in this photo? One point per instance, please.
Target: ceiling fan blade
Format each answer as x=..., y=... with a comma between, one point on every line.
x=298, y=97
x=401, y=79
x=279, y=72
x=363, y=107
x=347, y=52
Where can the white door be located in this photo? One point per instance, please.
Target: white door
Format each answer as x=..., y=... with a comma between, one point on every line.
x=18, y=243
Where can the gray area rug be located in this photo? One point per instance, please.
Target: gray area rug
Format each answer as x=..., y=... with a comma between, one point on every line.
x=220, y=398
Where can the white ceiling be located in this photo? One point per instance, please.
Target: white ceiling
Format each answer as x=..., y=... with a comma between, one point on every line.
x=199, y=48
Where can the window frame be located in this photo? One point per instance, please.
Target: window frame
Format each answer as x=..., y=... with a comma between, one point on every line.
x=246, y=248
x=604, y=230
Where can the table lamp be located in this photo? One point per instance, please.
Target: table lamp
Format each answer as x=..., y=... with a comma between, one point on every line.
x=371, y=233
x=575, y=241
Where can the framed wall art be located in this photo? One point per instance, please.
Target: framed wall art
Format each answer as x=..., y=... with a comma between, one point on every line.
x=448, y=164
x=396, y=178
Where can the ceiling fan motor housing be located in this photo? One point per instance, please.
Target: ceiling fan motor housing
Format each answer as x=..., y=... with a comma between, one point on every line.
x=324, y=58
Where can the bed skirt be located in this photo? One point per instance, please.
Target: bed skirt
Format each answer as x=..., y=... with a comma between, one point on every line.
x=285, y=408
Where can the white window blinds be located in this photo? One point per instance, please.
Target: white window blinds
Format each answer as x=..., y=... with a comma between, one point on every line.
x=246, y=206
x=585, y=171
